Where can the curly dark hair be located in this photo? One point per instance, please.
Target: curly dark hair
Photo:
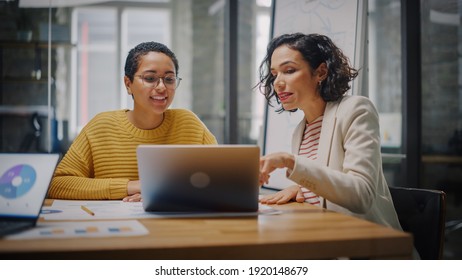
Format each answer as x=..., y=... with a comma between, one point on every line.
x=315, y=50
x=135, y=54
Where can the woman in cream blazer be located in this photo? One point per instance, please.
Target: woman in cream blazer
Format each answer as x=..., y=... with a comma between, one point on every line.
x=347, y=174
x=309, y=73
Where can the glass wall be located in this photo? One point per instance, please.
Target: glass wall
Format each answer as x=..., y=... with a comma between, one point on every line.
x=33, y=74
x=89, y=45
x=442, y=110
x=442, y=92
x=96, y=69
x=440, y=166
x=384, y=82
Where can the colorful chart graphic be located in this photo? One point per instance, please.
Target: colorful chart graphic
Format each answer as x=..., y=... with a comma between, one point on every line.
x=17, y=181
x=85, y=230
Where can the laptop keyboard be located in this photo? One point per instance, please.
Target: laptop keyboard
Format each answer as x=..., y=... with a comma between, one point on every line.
x=7, y=227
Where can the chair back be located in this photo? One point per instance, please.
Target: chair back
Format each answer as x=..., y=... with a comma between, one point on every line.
x=422, y=212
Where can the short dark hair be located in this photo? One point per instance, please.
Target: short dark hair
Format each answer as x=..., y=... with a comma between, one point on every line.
x=134, y=55
x=315, y=50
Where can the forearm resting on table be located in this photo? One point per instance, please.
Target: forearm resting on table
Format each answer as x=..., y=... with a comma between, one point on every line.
x=133, y=187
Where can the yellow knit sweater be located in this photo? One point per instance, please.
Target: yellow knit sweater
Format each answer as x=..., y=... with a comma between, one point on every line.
x=102, y=158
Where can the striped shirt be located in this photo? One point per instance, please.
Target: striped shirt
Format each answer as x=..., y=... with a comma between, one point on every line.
x=309, y=149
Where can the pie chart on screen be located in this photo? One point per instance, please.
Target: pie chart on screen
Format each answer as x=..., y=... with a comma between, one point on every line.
x=17, y=181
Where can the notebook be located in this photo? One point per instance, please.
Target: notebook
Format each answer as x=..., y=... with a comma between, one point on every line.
x=199, y=178
x=24, y=181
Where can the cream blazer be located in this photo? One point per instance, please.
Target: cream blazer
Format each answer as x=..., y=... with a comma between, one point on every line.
x=347, y=173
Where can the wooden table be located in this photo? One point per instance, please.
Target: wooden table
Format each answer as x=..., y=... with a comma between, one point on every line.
x=301, y=231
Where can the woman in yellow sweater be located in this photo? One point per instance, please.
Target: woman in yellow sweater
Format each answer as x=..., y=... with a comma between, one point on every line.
x=101, y=162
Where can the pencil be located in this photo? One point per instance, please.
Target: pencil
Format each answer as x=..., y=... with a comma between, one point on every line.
x=87, y=210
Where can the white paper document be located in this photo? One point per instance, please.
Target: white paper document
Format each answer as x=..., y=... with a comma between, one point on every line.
x=82, y=230
x=102, y=210
x=117, y=209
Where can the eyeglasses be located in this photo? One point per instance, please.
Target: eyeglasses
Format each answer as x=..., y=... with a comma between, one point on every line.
x=151, y=80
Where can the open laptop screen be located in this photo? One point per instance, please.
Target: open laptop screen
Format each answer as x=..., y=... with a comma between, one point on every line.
x=199, y=178
x=24, y=181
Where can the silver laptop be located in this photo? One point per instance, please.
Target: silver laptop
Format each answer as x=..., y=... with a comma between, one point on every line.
x=24, y=182
x=199, y=178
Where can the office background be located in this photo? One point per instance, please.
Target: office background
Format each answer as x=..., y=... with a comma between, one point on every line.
x=51, y=86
